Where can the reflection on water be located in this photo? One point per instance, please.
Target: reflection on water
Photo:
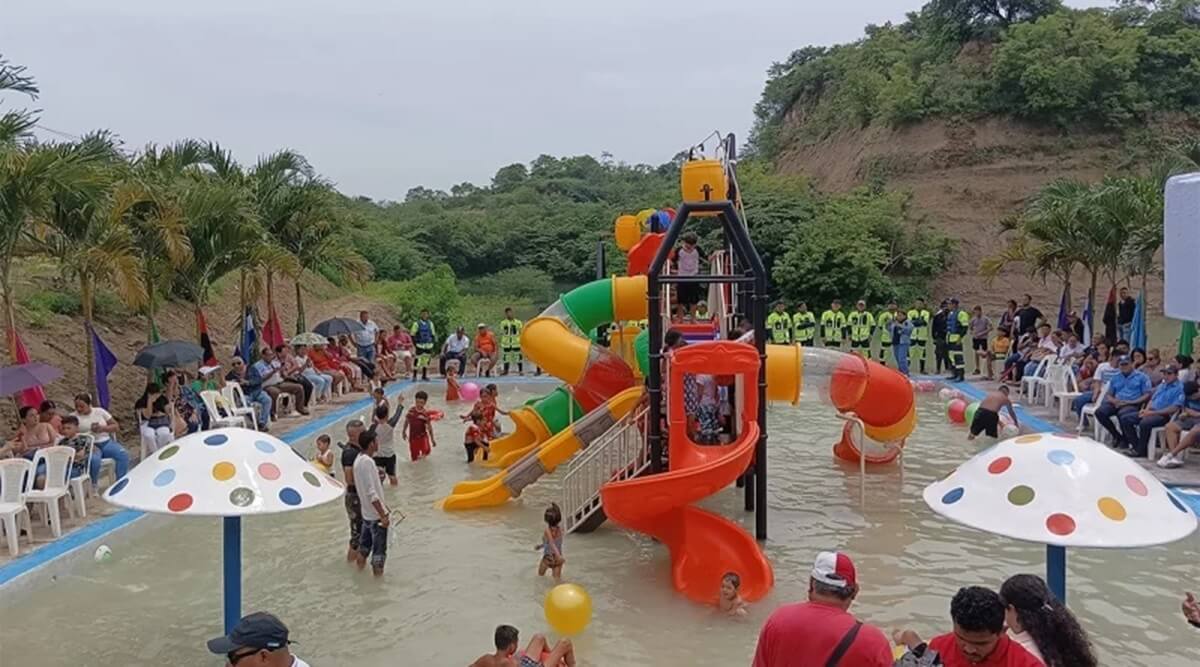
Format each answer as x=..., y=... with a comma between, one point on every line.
x=452, y=577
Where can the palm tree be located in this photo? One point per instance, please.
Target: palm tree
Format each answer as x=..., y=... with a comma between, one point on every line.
x=277, y=200
x=318, y=243
x=85, y=231
x=15, y=125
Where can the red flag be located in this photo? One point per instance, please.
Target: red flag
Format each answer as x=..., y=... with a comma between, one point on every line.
x=210, y=357
x=32, y=396
x=272, y=331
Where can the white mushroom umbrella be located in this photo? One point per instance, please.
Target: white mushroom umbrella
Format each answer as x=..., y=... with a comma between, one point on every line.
x=1063, y=491
x=228, y=472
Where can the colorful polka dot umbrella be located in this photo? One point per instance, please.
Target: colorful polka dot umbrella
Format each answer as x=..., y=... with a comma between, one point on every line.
x=228, y=472
x=1063, y=491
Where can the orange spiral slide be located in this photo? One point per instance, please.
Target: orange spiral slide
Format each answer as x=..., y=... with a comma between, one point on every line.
x=704, y=546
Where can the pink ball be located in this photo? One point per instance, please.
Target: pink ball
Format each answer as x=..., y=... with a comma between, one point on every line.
x=469, y=391
x=957, y=411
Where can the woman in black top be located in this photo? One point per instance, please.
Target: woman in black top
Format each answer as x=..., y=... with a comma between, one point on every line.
x=155, y=415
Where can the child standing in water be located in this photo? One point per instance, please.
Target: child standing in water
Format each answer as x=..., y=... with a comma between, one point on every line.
x=551, y=546
x=475, y=440
x=385, y=429
x=418, y=430
x=323, y=459
x=452, y=380
x=731, y=601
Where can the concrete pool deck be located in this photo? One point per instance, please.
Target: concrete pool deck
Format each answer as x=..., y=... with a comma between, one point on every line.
x=104, y=519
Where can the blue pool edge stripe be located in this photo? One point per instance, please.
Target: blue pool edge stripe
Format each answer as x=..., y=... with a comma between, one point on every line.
x=70, y=542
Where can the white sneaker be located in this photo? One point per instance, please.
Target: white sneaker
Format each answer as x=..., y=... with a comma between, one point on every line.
x=1164, y=460
x=1175, y=462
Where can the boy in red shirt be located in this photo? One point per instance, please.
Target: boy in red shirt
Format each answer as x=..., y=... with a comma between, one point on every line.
x=979, y=637
x=418, y=429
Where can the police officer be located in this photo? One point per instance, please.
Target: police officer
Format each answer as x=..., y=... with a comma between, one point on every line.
x=957, y=322
x=779, y=323
x=919, y=316
x=424, y=338
x=804, y=326
x=510, y=342
x=862, y=325
x=883, y=322
x=833, y=325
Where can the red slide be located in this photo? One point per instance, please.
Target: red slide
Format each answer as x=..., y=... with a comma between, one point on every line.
x=704, y=546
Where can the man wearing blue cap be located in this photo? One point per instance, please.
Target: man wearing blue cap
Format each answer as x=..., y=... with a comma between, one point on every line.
x=1127, y=391
x=258, y=640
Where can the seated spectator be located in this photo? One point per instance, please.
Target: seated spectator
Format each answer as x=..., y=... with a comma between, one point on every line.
x=978, y=637
x=1014, y=365
x=1094, y=345
x=1129, y=389
x=293, y=371
x=1071, y=351
x=154, y=413
x=1184, y=363
x=48, y=413
x=486, y=352
x=1138, y=355
x=1043, y=625
x=1047, y=346
x=187, y=404
x=33, y=434
x=1181, y=433
x=810, y=633
x=103, y=427
x=251, y=383
x=402, y=346
x=1166, y=400
x=352, y=371
x=270, y=371
x=350, y=353
x=455, y=347
x=1153, y=366
x=73, y=439
x=1075, y=325
x=322, y=382
x=326, y=365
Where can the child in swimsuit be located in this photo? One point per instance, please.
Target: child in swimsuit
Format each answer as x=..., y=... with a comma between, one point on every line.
x=475, y=440
x=323, y=459
x=731, y=601
x=551, y=546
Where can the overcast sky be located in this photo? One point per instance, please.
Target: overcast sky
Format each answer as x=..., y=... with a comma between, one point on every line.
x=383, y=95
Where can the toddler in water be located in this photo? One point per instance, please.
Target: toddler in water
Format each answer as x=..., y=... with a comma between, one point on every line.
x=551, y=546
x=731, y=600
x=323, y=459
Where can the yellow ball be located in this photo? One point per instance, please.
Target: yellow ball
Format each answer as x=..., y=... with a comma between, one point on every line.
x=568, y=608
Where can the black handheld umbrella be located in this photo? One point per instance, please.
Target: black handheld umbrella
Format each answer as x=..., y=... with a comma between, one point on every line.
x=25, y=376
x=169, y=353
x=338, y=326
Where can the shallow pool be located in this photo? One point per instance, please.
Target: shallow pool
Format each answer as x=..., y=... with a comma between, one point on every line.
x=452, y=577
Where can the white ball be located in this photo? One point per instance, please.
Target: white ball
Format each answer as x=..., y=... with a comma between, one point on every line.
x=103, y=554
x=946, y=393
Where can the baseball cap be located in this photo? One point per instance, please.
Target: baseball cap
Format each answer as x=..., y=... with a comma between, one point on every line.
x=481, y=325
x=259, y=630
x=205, y=370
x=834, y=568
x=1125, y=359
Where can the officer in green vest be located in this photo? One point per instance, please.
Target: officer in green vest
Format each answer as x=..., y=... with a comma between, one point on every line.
x=862, y=325
x=510, y=342
x=804, y=326
x=957, y=322
x=919, y=316
x=883, y=322
x=779, y=324
x=833, y=325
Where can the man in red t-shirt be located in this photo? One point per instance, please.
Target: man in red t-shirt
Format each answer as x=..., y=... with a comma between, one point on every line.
x=978, y=638
x=821, y=632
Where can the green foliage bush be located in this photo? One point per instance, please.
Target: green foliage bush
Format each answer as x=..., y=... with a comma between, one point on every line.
x=67, y=302
x=1032, y=59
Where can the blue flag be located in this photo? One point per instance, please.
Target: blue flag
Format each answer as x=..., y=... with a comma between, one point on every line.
x=1138, y=337
x=106, y=361
x=247, y=340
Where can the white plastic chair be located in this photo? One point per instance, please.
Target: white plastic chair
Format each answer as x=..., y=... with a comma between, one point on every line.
x=284, y=405
x=1064, y=389
x=15, y=475
x=1089, y=411
x=241, y=407
x=220, y=412
x=58, y=466
x=81, y=485
x=1031, y=381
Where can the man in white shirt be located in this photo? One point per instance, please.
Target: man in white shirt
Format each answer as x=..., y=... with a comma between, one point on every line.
x=258, y=639
x=100, y=424
x=456, y=347
x=365, y=339
x=375, y=516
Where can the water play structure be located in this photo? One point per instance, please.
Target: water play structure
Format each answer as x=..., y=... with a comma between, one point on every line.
x=642, y=468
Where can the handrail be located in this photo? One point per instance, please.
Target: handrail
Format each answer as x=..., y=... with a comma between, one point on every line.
x=618, y=454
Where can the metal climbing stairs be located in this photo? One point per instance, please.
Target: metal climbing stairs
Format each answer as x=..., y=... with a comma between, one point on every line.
x=619, y=454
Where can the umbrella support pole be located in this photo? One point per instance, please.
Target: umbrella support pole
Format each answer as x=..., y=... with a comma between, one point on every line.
x=233, y=571
x=1056, y=571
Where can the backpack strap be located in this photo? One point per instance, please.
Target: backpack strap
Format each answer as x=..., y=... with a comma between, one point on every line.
x=843, y=646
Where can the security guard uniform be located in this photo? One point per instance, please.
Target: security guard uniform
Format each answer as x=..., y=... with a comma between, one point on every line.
x=510, y=344
x=780, y=326
x=862, y=325
x=833, y=327
x=804, y=328
x=957, y=322
x=920, y=318
x=883, y=321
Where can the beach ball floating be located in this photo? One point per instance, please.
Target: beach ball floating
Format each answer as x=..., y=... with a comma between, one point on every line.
x=1060, y=489
x=224, y=472
x=969, y=415
x=103, y=554
x=469, y=391
x=956, y=411
x=568, y=608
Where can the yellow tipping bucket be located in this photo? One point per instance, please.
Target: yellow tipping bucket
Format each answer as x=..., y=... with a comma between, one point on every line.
x=628, y=232
x=703, y=180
